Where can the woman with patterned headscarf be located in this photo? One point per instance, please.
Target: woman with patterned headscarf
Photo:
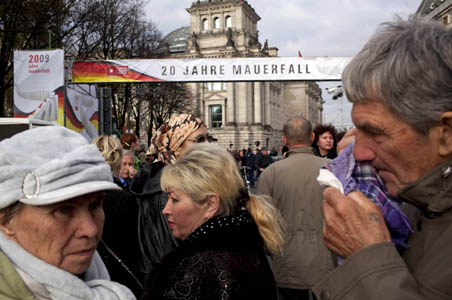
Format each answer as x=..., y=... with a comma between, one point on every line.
x=174, y=138
x=168, y=144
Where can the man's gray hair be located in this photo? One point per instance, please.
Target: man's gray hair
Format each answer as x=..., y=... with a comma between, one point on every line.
x=407, y=65
x=298, y=130
x=126, y=152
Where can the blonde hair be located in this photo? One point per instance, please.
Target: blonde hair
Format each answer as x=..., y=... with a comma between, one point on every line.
x=111, y=149
x=208, y=169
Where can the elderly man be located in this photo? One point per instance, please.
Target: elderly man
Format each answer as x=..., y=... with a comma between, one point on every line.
x=400, y=85
x=126, y=171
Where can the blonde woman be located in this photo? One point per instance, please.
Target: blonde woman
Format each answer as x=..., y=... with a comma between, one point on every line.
x=111, y=149
x=223, y=232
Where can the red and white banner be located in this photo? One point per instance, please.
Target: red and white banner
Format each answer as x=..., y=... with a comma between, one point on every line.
x=39, y=84
x=194, y=70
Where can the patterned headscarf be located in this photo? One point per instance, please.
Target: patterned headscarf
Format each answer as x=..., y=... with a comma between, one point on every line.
x=170, y=136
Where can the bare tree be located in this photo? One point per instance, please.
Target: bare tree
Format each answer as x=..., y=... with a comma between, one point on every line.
x=159, y=102
x=106, y=27
x=115, y=29
x=92, y=29
x=141, y=39
x=29, y=24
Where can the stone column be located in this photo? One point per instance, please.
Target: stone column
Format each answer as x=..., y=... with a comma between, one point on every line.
x=257, y=103
x=230, y=113
x=242, y=103
x=268, y=105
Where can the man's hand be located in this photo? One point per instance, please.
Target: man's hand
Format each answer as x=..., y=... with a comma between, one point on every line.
x=132, y=172
x=351, y=222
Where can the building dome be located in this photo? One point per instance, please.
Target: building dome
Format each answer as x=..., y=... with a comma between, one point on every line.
x=177, y=39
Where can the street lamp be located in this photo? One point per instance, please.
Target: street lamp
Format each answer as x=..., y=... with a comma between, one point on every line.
x=338, y=92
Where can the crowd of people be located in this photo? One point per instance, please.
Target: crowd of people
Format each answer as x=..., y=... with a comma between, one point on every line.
x=252, y=162
x=363, y=216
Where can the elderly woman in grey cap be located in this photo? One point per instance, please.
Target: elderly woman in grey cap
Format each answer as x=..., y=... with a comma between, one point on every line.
x=51, y=217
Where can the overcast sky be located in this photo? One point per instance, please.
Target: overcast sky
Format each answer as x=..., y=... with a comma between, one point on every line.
x=313, y=27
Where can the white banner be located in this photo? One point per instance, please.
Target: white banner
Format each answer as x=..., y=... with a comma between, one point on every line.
x=38, y=82
x=232, y=69
x=82, y=110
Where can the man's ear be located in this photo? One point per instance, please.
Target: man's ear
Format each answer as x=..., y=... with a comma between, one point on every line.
x=312, y=138
x=213, y=203
x=445, y=134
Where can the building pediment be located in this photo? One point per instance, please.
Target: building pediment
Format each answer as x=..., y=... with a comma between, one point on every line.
x=214, y=96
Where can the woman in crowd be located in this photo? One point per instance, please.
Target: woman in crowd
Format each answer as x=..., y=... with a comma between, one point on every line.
x=51, y=217
x=111, y=149
x=223, y=232
x=130, y=141
x=325, y=141
x=168, y=144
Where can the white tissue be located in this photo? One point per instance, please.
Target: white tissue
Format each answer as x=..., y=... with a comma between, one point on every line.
x=326, y=179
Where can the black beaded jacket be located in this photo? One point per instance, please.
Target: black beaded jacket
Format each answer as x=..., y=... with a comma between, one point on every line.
x=222, y=259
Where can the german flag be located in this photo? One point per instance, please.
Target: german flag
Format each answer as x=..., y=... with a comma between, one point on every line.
x=106, y=71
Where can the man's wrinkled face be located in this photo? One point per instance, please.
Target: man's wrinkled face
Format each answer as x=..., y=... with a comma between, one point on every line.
x=126, y=163
x=399, y=153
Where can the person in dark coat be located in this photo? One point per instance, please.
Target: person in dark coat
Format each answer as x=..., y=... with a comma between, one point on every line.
x=119, y=245
x=263, y=160
x=168, y=144
x=223, y=232
x=243, y=155
x=250, y=166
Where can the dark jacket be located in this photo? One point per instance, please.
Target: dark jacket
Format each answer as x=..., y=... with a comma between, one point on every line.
x=136, y=230
x=222, y=259
x=425, y=271
x=121, y=236
x=332, y=154
x=156, y=239
x=250, y=160
x=262, y=161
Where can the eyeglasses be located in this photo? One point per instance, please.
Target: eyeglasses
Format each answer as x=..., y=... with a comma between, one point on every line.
x=201, y=139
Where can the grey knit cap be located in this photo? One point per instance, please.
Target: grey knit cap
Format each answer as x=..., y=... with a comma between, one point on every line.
x=48, y=165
